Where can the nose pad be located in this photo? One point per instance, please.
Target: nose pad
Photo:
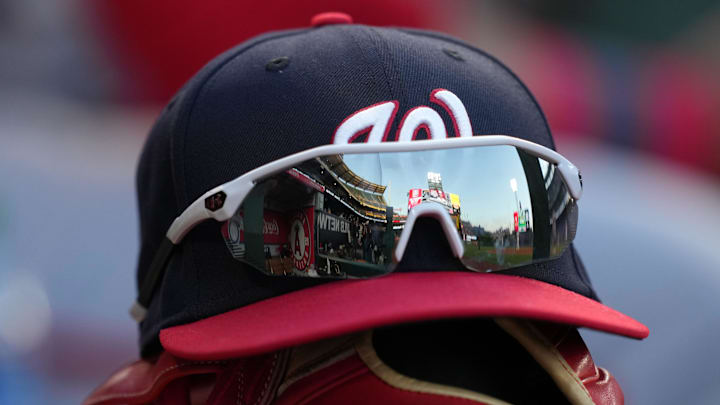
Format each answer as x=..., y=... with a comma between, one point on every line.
x=441, y=217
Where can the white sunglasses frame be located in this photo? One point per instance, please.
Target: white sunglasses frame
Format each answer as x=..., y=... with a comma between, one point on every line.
x=221, y=202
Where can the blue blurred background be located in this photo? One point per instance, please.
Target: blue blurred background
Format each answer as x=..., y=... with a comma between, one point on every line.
x=631, y=91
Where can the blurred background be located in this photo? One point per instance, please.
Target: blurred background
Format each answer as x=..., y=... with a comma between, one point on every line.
x=631, y=91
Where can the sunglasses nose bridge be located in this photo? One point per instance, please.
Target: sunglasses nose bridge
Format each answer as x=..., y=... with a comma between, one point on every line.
x=437, y=212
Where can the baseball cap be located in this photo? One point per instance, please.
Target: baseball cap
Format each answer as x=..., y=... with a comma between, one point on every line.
x=288, y=91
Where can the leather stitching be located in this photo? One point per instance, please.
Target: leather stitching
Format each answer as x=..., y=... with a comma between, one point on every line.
x=295, y=377
x=241, y=385
x=267, y=380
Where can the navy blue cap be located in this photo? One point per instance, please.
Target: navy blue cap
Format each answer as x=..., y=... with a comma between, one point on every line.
x=288, y=91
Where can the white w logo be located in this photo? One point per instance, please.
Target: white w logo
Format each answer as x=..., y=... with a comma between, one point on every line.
x=375, y=121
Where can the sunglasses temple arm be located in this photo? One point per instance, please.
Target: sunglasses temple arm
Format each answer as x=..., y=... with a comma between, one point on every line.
x=193, y=215
x=569, y=172
x=151, y=280
x=571, y=175
x=205, y=207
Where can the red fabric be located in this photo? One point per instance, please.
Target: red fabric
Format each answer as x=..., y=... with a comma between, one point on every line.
x=348, y=306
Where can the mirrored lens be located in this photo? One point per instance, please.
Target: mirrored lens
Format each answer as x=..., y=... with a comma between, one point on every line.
x=342, y=215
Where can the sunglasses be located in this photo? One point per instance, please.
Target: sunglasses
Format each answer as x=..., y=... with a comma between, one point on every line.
x=347, y=211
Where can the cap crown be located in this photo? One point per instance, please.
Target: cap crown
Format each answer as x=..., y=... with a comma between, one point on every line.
x=289, y=91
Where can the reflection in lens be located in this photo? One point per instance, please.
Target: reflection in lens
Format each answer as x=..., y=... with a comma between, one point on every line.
x=342, y=215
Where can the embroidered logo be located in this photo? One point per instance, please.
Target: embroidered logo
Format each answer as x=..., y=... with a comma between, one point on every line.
x=374, y=122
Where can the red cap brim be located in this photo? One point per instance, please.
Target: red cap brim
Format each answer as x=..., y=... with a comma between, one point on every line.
x=352, y=305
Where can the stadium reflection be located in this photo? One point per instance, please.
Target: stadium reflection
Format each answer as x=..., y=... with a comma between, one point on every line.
x=341, y=215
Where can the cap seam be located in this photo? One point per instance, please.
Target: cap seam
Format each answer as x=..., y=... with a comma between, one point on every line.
x=455, y=41
x=386, y=67
x=385, y=78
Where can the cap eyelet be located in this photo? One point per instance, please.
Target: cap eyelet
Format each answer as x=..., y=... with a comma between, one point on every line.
x=277, y=64
x=453, y=54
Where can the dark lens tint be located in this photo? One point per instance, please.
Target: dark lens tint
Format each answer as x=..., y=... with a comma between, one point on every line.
x=341, y=215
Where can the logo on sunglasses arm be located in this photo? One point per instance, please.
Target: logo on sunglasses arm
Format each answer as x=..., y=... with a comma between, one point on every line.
x=374, y=122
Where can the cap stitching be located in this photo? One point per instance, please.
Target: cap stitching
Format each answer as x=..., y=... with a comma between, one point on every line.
x=366, y=57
